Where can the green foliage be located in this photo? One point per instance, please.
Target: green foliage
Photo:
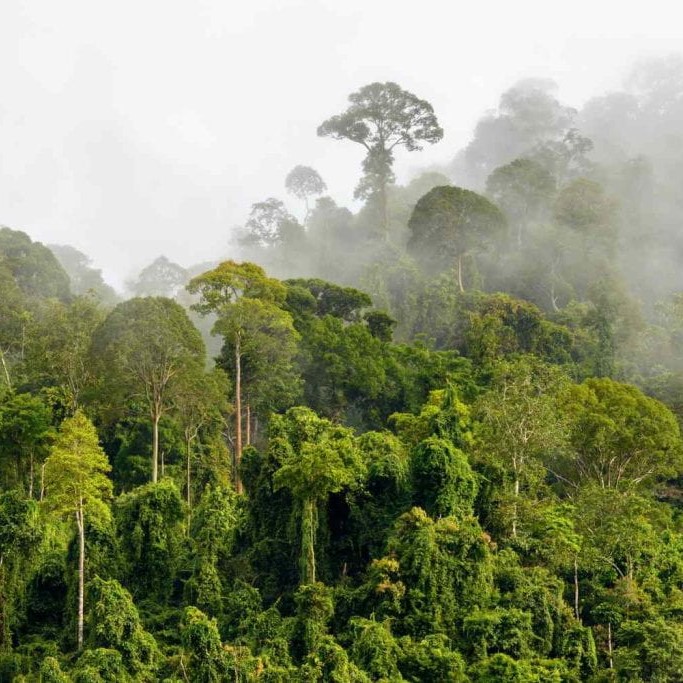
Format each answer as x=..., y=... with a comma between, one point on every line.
x=25, y=435
x=213, y=531
x=206, y=660
x=143, y=347
x=520, y=430
x=161, y=278
x=83, y=278
x=114, y=623
x=149, y=524
x=445, y=567
x=315, y=608
x=432, y=659
x=75, y=469
x=375, y=504
x=330, y=299
x=58, y=347
x=650, y=651
x=443, y=480
x=374, y=649
x=620, y=437
x=320, y=459
x=33, y=266
x=51, y=672
x=520, y=521
x=381, y=117
x=449, y=223
x=222, y=286
x=524, y=190
x=20, y=534
x=101, y=665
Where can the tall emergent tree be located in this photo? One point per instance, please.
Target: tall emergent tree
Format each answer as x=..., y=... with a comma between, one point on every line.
x=143, y=346
x=75, y=474
x=383, y=116
x=246, y=303
x=270, y=223
x=304, y=182
x=449, y=223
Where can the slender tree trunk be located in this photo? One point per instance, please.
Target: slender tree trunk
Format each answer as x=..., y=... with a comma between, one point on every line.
x=238, y=414
x=188, y=473
x=6, y=369
x=609, y=644
x=42, y=482
x=462, y=289
x=30, y=476
x=308, y=530
x=576, y=588
x=514, y=509
x=155, y=445
x=81, y=571
x=248, y=419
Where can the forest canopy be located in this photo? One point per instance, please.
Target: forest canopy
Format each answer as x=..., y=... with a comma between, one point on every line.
x=433, y=436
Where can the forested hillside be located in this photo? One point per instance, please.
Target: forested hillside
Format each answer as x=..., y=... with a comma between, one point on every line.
x=432, y=438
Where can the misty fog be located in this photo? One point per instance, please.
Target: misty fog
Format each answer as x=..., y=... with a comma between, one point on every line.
x=123, y=128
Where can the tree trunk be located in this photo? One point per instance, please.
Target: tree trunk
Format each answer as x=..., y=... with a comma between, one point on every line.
x=188, y=449
x=238, y=414
x=308, y=531
x=30, y=476
x=6, y=369
x=514, y=509
x=81, y=571
x=42, y=482
x=609, y=644
x=462, y=289
x=155, y=445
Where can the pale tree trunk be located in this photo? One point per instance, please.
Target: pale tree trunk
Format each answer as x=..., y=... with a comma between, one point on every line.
x=155, y=444
x=5, y=369
x=42, y=482
x=238, y=414
x=462, y=289
x=188, y=450
x=609, y=644
x=30, y=475
x=81, y=571
x=514, y=508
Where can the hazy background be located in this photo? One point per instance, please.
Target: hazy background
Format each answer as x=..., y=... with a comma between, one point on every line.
x=132, y=129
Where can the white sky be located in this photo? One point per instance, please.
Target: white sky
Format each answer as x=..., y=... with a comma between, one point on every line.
x=134, y=128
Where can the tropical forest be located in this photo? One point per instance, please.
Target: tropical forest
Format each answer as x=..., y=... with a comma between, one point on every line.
x=430, y=436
